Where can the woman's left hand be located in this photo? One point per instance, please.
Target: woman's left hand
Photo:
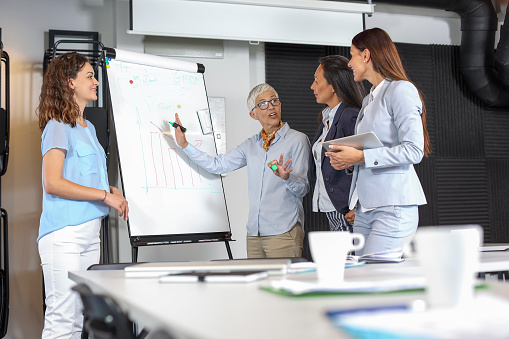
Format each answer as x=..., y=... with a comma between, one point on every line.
x=350, y=216
x=118, y=202
x=344, y=156
x=281, y=169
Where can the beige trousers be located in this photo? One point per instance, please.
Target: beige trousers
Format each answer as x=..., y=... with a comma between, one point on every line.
x=286, y=245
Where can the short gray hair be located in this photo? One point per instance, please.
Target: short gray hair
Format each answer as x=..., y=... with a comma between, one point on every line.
x=255, y=92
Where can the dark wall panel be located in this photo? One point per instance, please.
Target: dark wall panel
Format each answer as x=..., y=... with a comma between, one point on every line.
x=496, y=135
x=462, y=192
x=459, y=113
x=498, y=188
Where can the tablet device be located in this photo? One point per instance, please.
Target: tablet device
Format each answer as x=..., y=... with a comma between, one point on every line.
x=490, y=247
x=224, y=277
x=366, y=140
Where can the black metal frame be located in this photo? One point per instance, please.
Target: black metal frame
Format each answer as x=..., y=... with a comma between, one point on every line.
x=4, y=156
x=4, y=275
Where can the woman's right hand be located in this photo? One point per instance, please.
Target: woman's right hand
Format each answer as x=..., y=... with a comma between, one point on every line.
x=116, y=200
x=180, y=137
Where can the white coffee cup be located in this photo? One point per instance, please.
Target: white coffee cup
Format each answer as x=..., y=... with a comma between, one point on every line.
x=449, y=256
x=329, y=251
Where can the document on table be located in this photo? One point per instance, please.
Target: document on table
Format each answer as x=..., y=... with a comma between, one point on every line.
x=295, y=287
x=389, y=256
x=485, y=317
x=309, y=266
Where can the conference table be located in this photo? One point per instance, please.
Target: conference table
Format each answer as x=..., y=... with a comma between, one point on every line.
x=244, y=310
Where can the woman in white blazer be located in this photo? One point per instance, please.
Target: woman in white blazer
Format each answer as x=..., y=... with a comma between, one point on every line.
x=385, y=190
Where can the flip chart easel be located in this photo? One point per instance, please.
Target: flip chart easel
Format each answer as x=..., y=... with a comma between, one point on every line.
x=171, y=199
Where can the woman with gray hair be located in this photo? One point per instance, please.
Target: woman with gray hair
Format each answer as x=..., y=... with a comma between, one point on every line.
x=277, y=165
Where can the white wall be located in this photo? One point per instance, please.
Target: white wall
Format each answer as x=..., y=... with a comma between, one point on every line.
x=24, y=25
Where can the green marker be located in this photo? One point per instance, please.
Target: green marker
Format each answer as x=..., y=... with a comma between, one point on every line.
x=274, y=167
x=174, y=124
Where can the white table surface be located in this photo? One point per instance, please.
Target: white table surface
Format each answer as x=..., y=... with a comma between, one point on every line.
x=242, y=310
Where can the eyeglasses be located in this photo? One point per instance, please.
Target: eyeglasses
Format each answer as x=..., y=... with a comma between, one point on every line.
x=265, y=104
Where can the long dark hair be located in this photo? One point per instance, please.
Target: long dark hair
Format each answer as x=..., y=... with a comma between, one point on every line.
x=56, y=100
x=387, y=62
x=340, y=76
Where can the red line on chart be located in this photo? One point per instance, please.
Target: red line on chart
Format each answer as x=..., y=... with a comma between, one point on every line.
x=161, y=160
x=180, y=169
x=190, y=170
x=162, y=132
x=172, y=169
x=153, y=159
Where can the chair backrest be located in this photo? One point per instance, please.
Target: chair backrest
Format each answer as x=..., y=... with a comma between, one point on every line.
x=161, y=334
x=112, y=266
x=104, y=318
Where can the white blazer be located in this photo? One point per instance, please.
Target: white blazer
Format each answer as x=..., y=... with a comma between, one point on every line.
x=387, y=176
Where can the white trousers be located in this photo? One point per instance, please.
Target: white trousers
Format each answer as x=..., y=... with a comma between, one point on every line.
x=72, y=248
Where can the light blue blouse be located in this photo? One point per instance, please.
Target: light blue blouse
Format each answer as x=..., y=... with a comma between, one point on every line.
x=84, y=164
x=275, y=205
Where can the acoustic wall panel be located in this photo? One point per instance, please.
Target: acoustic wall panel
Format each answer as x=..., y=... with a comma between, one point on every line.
x=496, y=133
x=498, y=186
x=459, y=113
x=462, y=192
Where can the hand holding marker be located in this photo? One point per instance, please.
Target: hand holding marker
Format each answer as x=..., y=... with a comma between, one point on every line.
x=279, y=169
x=174, y=124
x=180, y=137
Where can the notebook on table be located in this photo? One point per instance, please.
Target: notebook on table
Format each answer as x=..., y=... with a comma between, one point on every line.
x=158, y=269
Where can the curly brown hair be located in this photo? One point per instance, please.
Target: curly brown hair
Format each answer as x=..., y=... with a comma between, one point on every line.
x=57, y=97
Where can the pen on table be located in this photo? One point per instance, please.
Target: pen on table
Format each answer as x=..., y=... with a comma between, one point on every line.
x=174, y=124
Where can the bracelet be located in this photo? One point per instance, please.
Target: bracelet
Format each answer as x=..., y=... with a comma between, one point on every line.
x=105, y=193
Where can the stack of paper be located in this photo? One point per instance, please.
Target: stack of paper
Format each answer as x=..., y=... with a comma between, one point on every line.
x=486, y=317
x=295, y=287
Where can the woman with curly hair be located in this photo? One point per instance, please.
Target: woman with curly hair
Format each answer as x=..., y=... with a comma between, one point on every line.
x=76, y=193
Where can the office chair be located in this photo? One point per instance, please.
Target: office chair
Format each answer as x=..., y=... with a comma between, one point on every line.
x=104, y=318
x=160, y=334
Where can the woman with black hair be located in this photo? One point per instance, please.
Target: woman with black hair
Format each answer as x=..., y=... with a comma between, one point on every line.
x=334, y=86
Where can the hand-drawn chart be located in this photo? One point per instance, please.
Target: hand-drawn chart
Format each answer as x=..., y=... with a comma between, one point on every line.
x=167, y=193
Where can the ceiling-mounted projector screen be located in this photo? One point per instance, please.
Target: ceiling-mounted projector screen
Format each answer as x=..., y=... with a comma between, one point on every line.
x=314, y=22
